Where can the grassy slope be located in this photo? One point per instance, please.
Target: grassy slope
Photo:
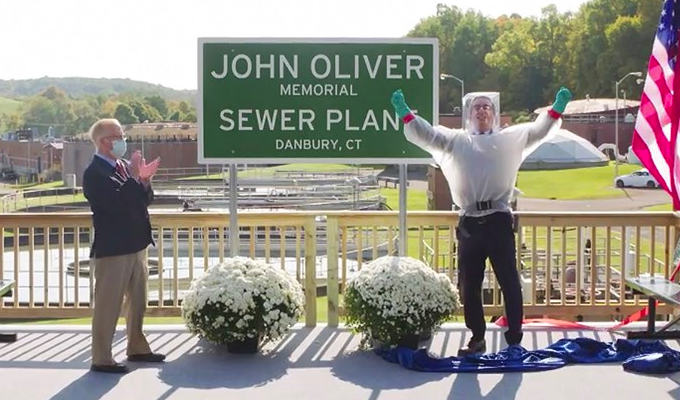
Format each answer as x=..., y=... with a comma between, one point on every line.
x=9, y=106
x=660, y=207
x=572, y=184
x=416, y=200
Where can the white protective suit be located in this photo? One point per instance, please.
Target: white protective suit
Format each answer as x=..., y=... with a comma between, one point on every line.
x=480, y=167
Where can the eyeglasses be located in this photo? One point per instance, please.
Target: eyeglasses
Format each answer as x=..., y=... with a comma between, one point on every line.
x=116, y=137
x=485, y=107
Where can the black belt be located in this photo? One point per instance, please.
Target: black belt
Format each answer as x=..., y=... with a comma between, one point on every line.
x=483, y=205
x=481, y=220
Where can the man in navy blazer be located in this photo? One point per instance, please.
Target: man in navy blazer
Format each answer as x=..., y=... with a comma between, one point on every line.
x=119, y=193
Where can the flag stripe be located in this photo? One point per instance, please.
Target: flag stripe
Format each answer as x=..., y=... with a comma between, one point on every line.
x=654, y=95
x=650, y=116
x=675, y=129
x=647, y=150
x=661, y=54
x=644, y=153
x=665, y=100
x=656, y=127
x=676, y=179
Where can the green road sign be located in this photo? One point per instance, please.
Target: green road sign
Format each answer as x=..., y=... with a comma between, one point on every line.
x=312, y=100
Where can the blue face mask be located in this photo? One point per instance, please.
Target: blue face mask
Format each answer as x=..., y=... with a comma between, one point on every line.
x=119, y=148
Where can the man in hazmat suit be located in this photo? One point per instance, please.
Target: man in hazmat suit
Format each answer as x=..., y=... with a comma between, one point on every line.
x=480, y=163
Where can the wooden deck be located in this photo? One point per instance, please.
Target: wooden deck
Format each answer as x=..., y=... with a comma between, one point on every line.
x=51, y=362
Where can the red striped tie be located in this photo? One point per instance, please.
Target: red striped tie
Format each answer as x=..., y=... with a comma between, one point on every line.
x=120, y=168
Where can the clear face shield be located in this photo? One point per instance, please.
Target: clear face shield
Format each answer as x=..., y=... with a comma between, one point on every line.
x=481, y=112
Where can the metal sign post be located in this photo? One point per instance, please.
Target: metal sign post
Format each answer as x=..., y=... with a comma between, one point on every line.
x=233, y=212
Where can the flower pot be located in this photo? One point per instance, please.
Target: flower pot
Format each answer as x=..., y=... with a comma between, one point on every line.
x=236, y=278
x=425, y=335
x=247, y=346
x=410, y=341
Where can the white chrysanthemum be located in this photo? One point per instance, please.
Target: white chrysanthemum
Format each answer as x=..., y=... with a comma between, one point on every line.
x=394, y=296
x=242, y=298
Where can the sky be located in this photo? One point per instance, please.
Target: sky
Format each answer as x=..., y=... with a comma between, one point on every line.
x=156, y=41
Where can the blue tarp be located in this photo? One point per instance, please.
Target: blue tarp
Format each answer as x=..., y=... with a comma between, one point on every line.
x=637, y=356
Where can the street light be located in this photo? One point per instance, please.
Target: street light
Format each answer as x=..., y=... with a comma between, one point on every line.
x=444, y=77
x=616, y=119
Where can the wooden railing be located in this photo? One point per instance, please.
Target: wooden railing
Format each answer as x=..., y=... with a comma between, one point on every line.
x=48, y=257
x=557, y=282
x=571, y=264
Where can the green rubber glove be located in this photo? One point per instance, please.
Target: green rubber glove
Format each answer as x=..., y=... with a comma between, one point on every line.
x=562, y=97
x=399, y=103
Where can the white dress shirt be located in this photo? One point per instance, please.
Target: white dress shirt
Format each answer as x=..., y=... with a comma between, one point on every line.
x=480, y=167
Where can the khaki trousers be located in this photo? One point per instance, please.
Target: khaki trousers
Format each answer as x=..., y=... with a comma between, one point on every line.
x=119, y=277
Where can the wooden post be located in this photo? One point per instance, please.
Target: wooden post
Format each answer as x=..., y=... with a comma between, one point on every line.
x=332, y=289
x=310, y=272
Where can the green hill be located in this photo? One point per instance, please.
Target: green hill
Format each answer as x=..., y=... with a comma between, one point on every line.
x=78, y=87
x=9, y=106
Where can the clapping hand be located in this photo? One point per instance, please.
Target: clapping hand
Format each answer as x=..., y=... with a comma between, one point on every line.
x=147, y=171
x=135, y=163
x=140, y=169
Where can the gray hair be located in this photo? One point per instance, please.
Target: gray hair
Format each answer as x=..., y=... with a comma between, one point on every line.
x=101, y=127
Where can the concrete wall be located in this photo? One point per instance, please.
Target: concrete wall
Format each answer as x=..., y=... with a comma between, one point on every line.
x=24, y=156
x=75, y=158
x=77, y=155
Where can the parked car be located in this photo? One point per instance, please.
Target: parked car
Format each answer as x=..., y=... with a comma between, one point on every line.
x=8, y=174
x=639, y=178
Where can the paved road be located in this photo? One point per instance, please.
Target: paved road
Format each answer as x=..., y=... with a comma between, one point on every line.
x=635, y=199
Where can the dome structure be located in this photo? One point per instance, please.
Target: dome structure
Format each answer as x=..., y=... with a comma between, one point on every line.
x=564, y=149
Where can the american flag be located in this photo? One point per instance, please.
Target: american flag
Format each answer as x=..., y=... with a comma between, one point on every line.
x=656, y=126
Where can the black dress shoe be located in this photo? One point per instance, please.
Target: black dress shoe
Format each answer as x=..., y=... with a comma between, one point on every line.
x=116, y=368
x=149, y=357
x=473, y=347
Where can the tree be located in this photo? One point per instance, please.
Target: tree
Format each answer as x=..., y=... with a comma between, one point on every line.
x=513, y=56
x=107, y=108
x=474, y=37
x=526, y=56
x=53, y=93
x=181, y=112
x=189, y=117
x=11, y=122
x=184, y=107
x=175, y=116
x=464, y=39
x=144, y=112
x=85, y=116
x=125, y=115
x=43, y=112
x=630, y=40
x=158, y=103
x=550, y=35
x=527, y=59
x=608, y=39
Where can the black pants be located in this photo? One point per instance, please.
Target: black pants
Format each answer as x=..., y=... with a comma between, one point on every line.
x=489, y=236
